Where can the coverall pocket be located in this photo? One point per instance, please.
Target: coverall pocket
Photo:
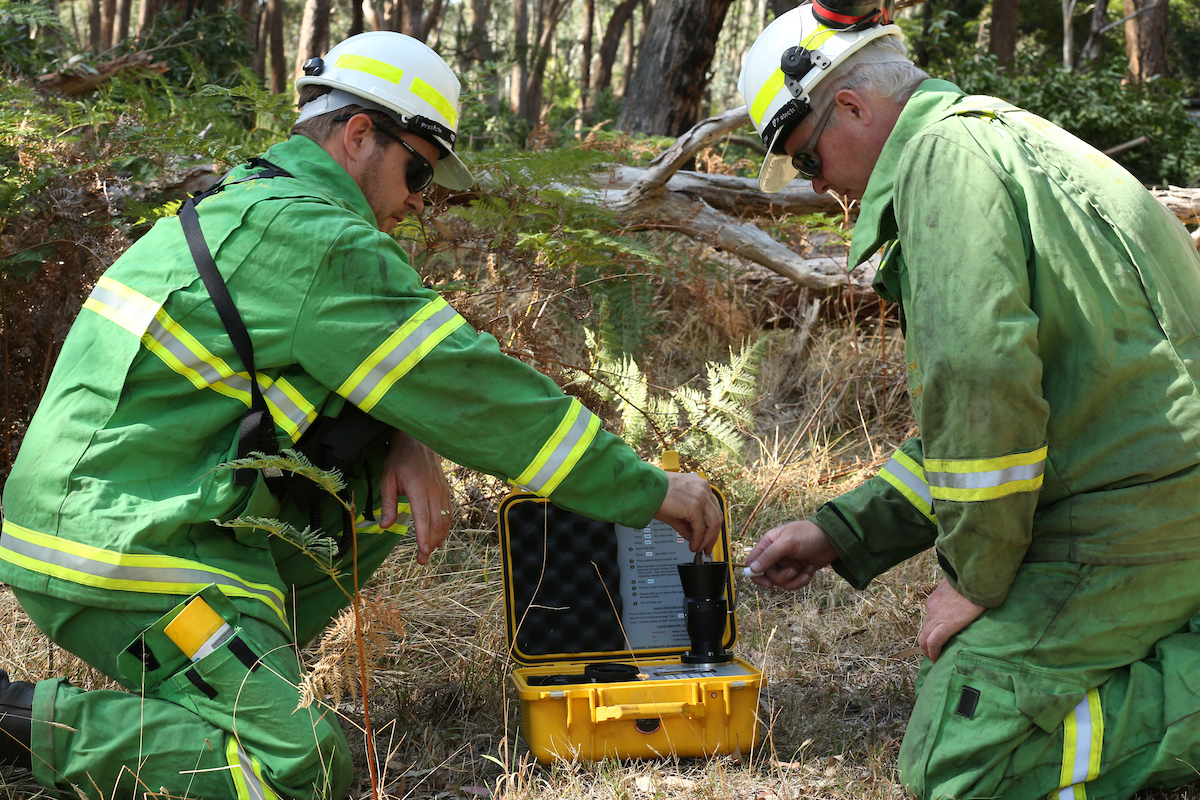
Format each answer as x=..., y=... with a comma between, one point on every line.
x=987, y=709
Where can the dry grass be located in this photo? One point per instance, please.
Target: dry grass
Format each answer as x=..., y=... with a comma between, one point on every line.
x=839, y=664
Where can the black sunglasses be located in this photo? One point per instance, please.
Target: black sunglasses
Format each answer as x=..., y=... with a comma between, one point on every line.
x=805, y=161
x=420, y=172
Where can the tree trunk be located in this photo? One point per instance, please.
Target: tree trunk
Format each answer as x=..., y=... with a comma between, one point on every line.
x=356, y=18
x=146, y=14
x=1095, y=40
x=278, y=67
x=431, y=23
x=108, y=13
x=1068, y=47
x=1145, y=38
x=552, y=12
x=628, y=57
x=120, y=30
x=262, y=46
x=922, y=54
x=372, y=19
x=622, y=13
x=1003, y=41
x=520, y=77
x=585, y=65
x=673, y=67
x=314, y=28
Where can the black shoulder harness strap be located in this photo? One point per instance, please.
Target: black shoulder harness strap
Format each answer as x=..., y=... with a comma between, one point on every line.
x=258, y=428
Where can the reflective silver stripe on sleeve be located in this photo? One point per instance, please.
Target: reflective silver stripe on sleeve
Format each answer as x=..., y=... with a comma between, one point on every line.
x=406, y=347
x=905, y=475
x=562, y=451
x=139, y=316
x=235, y=382
x=985, y=480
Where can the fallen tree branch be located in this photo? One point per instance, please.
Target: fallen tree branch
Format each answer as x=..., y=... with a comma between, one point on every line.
x=1183, y=203
x=77, y=82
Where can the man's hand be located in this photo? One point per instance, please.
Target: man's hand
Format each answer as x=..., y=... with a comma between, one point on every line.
x=946, y=613
x=412, y=469
x=789, y=555
x=692, y=510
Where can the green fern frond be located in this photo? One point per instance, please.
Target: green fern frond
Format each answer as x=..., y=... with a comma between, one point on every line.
x=321, y=548
x=294, y=462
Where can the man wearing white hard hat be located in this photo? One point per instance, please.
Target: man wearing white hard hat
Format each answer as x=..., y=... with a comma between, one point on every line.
x=1050, y=307
x=275, y=312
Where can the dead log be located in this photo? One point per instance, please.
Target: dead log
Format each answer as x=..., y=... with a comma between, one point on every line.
x=81, y=80
x=1183, y=203
x=731, y=193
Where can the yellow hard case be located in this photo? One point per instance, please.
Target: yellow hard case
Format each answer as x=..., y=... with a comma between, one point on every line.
x=665, y=707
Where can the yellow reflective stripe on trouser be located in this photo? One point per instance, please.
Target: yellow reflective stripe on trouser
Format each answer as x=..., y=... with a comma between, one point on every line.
x=908, y=477
x=247, y=774
x=1083, y=738
x=183, y=353
x=985, y=478
x=399, y=353
x=127, y=572
x=562, y=450
x=117, y=303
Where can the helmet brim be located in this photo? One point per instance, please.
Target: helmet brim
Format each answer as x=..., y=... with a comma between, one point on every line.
x=777, y=170
x=451, y=172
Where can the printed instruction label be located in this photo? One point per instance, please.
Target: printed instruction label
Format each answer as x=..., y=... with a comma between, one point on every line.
x=651, y=594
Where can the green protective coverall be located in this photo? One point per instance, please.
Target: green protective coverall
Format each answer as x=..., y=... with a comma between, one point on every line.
x=1051, y=307
x=112, y=509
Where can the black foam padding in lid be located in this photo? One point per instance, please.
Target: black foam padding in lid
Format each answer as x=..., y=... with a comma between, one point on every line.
x=565, y=581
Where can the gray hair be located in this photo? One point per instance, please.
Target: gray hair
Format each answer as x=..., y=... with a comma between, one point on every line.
x=880, y=66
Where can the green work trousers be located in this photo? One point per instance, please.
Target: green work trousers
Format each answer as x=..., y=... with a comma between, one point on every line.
x=1085, y=683
x=227, y=726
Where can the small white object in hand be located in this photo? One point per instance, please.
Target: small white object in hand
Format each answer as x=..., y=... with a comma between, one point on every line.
x=749, y=573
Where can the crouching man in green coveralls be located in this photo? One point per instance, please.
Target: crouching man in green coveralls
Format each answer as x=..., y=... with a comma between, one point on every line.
x=113, y=510
x=1050, y=308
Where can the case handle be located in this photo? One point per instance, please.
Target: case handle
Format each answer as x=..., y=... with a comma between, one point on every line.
x=647, y=710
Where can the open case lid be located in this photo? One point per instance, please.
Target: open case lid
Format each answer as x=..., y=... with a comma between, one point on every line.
x=576, y=589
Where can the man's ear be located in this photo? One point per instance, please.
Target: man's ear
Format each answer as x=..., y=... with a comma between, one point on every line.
x=357, y=138
x=858, y=106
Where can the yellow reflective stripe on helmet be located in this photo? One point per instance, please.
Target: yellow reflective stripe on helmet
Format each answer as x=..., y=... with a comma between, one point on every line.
x=436, y=99
x=399, y=353
x=246, y=774
x=183, y=353
x=908, y=477
x=562, y=450
x=126, y=307
x=128, y=572
x=1083, y=740
x=765, y=95
x=371, y=66
x=817, y=38
x=976, y=479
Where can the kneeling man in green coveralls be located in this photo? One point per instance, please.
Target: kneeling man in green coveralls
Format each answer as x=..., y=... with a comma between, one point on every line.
x=1050, y=308
x=112, y=513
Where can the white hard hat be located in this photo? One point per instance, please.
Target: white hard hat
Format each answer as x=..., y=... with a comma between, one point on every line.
x=794, y=54
x=400, y=76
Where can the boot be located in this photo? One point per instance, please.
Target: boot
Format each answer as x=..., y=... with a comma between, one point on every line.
x=16, y=707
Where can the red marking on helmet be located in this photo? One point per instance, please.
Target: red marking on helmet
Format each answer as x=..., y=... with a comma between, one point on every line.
x=833, y=16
